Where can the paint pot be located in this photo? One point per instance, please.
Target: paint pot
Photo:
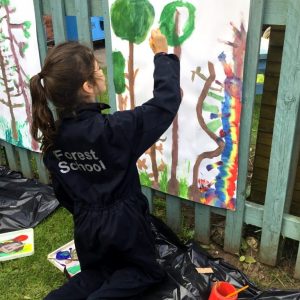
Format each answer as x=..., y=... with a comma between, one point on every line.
x=220, y=290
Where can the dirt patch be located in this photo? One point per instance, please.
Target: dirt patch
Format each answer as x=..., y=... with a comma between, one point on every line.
x=247, y=260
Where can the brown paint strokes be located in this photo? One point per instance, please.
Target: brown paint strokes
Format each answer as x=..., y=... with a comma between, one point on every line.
x=194, y=193
x=173, y=184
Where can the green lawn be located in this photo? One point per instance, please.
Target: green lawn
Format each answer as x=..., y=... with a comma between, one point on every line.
x=33, y=277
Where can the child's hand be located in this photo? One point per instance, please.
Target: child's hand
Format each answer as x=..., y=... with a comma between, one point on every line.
x=158, y=42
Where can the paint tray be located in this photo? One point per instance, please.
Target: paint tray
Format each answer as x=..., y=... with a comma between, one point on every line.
x=16, y=244
x=70, y=266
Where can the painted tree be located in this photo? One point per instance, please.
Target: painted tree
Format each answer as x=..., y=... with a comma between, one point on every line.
x=195, y=191
x=119, y=78
x=231, y=111
x=228, y=119
x=131, y=21
x=169, y=26
x=14, y=80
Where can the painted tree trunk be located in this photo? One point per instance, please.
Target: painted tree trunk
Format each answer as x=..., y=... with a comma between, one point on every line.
x=21, y=73
x=173, y=184
x=194, y=192
x=9, y=103
x=131, y=75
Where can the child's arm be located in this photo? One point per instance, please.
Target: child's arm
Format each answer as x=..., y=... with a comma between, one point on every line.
x=146, y=123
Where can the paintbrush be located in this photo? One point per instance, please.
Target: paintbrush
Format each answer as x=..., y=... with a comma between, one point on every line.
x=237, y=291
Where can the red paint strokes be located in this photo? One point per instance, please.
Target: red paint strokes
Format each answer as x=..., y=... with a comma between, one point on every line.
x=20, y=238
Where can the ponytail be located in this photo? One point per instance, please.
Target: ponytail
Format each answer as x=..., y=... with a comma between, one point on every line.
x=43, y=126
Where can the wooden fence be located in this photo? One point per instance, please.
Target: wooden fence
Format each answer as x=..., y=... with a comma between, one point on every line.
x=271, y=211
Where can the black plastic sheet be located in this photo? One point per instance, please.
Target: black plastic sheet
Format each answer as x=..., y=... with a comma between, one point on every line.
x=185, y=283
x=23, y=202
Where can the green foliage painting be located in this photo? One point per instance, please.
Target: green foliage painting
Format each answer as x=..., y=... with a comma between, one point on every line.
x=168, y=22
x=131, y=19
x=119, y=71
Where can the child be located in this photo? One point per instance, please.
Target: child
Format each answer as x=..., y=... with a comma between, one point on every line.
x=92, y=160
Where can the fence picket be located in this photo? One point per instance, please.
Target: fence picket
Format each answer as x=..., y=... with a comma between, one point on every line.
x=297, y=266
x=173, y=207
x=40, y=30
x=11, y=156
x=148, y=192
x=59, y=20
x=42, y=171
x=25, y=162
x=283, y=159
x=108, y=53
x=202, y=223
x=83, y=17
x=235, y=219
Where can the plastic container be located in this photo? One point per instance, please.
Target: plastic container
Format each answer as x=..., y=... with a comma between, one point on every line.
x=220, y=290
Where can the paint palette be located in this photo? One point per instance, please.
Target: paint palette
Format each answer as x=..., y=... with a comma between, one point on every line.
x=16, y=244
x=65, y=259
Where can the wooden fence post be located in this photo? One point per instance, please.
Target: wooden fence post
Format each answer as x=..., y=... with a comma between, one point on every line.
x=108, y=52
x=202, y=223
x=235, y=219
x=58, y=20
x=285, y=139
x=83, y=17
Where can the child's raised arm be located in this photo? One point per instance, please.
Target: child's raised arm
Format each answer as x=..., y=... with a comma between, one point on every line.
x=146, y=123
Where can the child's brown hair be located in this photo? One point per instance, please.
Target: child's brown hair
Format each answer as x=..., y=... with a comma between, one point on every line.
x=66, y=68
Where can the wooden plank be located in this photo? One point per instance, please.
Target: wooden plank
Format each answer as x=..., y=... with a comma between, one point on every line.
x=261, y=162
x=291, y=227
x=297, y=265
x=275, y=54
x=266, y=125
x=264, y=138
x=83, y=16
x=202, y=223
x=273, y=69
x=271, y=84
x=257, y=196
x=218, y=211
x=148, y=192
x=234, y=219
x=254, y=214
x=109, y=61
x=70, y=7
x=46, y=7
x=42, y=171
x=25, y=162
x=259, y=185
x=96, y=7
x=2, y=155
x=261, y=173
x=58, y=20
x=277, y=36
x=269, y=98
x=173, y=207
x=275, y=12
x=40, y=29
x=11, y=157
x=285, y=140
x=267, y=112
x=263, y=150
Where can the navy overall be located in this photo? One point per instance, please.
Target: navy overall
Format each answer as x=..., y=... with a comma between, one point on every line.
x=94, y=174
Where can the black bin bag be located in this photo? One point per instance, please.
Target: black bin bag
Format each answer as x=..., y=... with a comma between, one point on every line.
x=183, y=282
x=23, y=202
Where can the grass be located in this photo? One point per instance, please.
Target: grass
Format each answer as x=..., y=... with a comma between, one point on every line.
x=33, y=277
